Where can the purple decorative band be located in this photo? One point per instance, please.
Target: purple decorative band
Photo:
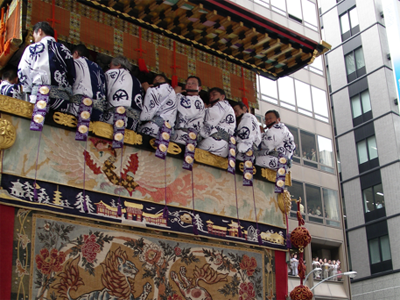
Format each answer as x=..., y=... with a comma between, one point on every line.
x=119, y=127
x=248, y=168
x=191, y=143
x=232, y=155
x=40, y=109
x=85, y=111
x=163, y=140
x=281, y=174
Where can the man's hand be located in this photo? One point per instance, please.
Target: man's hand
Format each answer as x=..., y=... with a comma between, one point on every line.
x=178, y=89
x=145, y=85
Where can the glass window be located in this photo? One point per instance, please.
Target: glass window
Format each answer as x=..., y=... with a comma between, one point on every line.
x=286, y=90
x=362, y=152
x=350, y=63
x=297, y=192
x=366, y=102
x=385, y=248
x=308, y=145
x=360, y=104
x=344, y=23
x=295, y=134
x=264, y=3
x=294, y=8
x=374, y=251
x=372, y=149
x=325, y=151
x=303, y=95
x=331, y=204
x=309, y=12
x=314, y=201
x=359, y=58
x=319, y=101
x=316, y=66
x=279, y=6
x=356, y=106
x=353, y=17
x=373, y=198
x=268, y=88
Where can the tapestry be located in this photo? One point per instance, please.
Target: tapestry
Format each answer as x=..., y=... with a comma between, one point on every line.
x=57, y=258
x=130, y=190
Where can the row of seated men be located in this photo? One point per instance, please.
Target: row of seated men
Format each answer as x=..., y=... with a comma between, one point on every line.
x=72, y=77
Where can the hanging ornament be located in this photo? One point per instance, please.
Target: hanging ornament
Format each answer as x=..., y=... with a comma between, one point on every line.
x=300, y=237
x=174, y=81
x=301, y=292
x=141, y=63
x=243, y=88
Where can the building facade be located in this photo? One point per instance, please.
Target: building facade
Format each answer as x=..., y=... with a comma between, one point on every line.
x=302, y=99
x=366, y=122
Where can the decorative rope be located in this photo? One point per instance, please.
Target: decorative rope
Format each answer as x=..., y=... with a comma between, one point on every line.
x=35, y=195
x=237, y=207
x=195, y=229
x=255, y=215
x=165, y=211
x=85, y=208
x=119, y=209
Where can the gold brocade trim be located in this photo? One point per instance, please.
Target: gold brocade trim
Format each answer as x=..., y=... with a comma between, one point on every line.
x=106, y=131
x=210, y=159
x=270, y=175
x=132, y=138
x=16, y=107
x=8, y=134
x=172, y=147
x=65, y=119
x=241, y=168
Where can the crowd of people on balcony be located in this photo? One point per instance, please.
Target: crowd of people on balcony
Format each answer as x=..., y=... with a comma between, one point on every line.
x=71, y=76
x=325, y=268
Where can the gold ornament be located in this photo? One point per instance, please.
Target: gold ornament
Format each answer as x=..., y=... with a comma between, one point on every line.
x=210, y=159
x=64, y=119
x=8, y=134
x=44, y=90
x=87, y=101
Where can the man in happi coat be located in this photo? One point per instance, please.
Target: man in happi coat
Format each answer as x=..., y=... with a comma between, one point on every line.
x=248, y=135
x=159, y=105
x=90, y=82
x=125, y=90
x=219, y=124
x=9, y=85
x=190, y=110
x=47, y=62
x=277, y=140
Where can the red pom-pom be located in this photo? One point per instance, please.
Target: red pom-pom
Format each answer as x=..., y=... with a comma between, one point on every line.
x=142, y=66
x=300, y=237
x=301, y=292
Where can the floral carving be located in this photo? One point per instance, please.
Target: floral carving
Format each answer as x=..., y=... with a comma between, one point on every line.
x=48, y=262
x=90, y=248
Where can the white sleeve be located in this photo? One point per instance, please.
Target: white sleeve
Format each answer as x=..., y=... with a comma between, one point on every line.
x=212, y=117
x=24, y=71
x=150, y=105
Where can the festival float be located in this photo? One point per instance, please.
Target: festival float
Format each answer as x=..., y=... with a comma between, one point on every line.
x=83, y=218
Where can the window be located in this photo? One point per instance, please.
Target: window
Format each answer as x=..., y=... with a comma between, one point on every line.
x=316, y=66
x=294, y=9
x=314, y=204
x=303, y=95
x=361, y=108
x=355, y=66
x=279, y=6
x=349, y=25
x=373, y=198
x=331, y=203
x=296, y=153
x=325, y=149
x=296, y=192
x=310, y=15
x=308, y=148
x=379, y=254
x=319, y=101
x=286, y=90
x=268, y=89
x=367, y=150
x=264, y=3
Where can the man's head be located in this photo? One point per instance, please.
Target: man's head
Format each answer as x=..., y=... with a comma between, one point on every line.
x=10, y=74
x=120, y=62
x=216, y=94
x=240, y=108
x=160, y=78
x=79, y=50
x=42, y=29
x=272, y=117
x=193, y=83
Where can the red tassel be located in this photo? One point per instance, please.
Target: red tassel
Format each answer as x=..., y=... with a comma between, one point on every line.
x=246, y=102
x=142, y=66
x=174, y=81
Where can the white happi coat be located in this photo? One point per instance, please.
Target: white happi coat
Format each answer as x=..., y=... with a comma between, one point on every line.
x=277, y=138
x=219, y=117
x=190, y=116
x=248, y=135
x=159, y=105
x=90, y=82
x=47, y=62
x=123, y=90
x=11, y=90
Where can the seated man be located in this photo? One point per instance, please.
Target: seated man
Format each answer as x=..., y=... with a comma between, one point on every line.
x=248, y=135
x=125, y=90
x=9, y=85
x=276, y=140
x=190, y=110
x=47, y=62
x=219, y=124
x=90, y=82
x=159, y=105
